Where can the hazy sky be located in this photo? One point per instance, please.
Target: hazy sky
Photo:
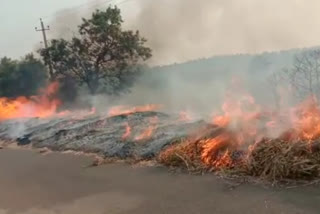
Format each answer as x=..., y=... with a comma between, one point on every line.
x=18, y=19
x=177, y=30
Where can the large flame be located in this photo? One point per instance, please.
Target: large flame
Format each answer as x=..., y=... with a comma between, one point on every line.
x=306, y=119
x=246, y=124
x=44, y=105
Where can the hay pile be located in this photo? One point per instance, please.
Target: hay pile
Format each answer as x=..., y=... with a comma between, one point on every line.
x=276, y=160
x=183, y=153
x=186, y=153
x=270, y=159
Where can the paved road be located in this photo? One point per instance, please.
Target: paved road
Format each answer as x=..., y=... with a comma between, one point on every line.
x=58, y=183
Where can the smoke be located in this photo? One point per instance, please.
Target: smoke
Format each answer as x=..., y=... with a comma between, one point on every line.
x=181, y=30
x=65, y=23
x=17, y=130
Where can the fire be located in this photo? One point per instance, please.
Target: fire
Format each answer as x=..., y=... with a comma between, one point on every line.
x=242, y=119
x=124, y=110
x=211, y=148
x=127, y=133
x=246, y=124
x=306, y=120
x=242, y=116
x=147, y=133
x=41, y=106
x=222, y=121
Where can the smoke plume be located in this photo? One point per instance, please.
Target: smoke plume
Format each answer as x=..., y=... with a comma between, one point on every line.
x=181, y=30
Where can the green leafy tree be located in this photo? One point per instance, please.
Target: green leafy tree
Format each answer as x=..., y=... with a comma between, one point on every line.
x=21, y=78
x=104, y=57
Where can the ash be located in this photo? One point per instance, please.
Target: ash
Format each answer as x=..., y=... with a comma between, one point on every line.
x=101, y=135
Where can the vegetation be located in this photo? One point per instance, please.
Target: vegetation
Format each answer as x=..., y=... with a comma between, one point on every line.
x=21, y=77
x=103, y=57
x=304, y=75
x=274, y=160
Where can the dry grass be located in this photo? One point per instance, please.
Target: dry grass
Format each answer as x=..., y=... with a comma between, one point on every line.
x=185, y=154
x=277, y=160
x=272, y=160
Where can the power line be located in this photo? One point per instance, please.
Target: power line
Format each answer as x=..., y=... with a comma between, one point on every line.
x=45, y=41
x=70, y=11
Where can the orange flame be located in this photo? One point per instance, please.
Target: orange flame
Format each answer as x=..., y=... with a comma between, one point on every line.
x=127, y=133
x=36, y=106
x=146, y=134
x=124, y=110
x=306, y=120
x=241, y=118
x=211, y=149
x=246, y=125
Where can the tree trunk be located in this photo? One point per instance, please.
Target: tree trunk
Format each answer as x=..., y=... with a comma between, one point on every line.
x=93, y=85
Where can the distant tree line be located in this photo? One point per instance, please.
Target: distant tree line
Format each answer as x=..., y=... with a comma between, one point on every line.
x=302, y=77
x=21, y=77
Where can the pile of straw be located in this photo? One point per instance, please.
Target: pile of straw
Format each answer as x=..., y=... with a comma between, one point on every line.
x=269, y=159
x=275, y=159
x=184, y=153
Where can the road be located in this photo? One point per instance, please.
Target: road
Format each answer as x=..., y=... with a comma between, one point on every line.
x=55, y=183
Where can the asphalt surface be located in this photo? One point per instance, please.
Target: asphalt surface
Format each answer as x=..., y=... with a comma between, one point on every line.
x=31, y=183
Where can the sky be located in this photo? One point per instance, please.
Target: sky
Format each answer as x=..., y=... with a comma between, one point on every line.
x=18, y=19
x=177, y=30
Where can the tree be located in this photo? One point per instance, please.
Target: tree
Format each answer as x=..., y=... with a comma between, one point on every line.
x=103, y=56
x=21, y=77
x=304, y=76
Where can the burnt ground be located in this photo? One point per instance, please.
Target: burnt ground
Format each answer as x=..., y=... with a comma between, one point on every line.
x=58, y=183
x=100, y=134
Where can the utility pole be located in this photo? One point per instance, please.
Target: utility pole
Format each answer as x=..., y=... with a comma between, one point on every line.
x=43, y=30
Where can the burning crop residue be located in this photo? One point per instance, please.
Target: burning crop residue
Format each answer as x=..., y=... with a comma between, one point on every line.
x=243, y=136
x=266, y=144
x=147, y=133
x=127, y=133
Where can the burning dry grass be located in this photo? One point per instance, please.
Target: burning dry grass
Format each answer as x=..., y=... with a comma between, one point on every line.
x=243, y=146
x=41, y=106
x=184, y=153
x=271, y=160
